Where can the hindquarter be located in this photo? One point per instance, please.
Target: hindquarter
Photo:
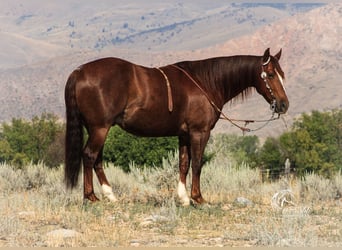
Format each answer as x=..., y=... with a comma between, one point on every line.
x=102, y=90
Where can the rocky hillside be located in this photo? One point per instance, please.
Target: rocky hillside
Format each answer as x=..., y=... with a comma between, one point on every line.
x=311, y=61
x=31, y=31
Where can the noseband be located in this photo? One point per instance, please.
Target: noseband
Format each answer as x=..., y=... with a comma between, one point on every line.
x=263, y=75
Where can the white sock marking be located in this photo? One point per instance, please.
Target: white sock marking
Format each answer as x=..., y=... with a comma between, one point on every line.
x=182, y=194
x=108, y=192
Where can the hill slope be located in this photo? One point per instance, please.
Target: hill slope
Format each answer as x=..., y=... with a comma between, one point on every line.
x=313, y=69
x=30, y=31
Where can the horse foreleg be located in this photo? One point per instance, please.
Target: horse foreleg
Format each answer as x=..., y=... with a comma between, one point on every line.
x=184, y=164
x=198, y=142
x=106, y=188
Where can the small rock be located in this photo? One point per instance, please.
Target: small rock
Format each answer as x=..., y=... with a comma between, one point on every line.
x=284, y=243
x=182, y=241
x=242, y=202
x=25, y=214
x=146, y=223
x=135, y=243
x=226, y=207
x=154, y=219
x=63, y=233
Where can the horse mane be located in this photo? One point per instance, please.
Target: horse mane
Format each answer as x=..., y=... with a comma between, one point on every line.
x=233, y=75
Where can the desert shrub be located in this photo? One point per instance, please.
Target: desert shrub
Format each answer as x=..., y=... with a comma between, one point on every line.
x=46, y=182
x=9, y=177
x=225, y=182
x=279, y=232
x=32, y=176
x=337, y=180
x=315, y=187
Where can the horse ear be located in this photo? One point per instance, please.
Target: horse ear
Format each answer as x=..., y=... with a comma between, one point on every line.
x=278, y=55
x=266, y=57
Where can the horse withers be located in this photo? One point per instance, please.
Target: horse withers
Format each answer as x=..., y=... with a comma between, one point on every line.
x=184, y=99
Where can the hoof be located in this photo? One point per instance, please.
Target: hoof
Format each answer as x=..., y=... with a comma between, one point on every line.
x=110, y=198
x=198, y=200
x=91, y=197
x=185, y=203
x=204, y=205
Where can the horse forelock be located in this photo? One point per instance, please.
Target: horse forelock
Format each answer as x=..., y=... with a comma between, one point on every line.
x=280, y=73
x=278, y=69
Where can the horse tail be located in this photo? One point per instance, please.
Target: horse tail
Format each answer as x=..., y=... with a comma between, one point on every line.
x=74, y=133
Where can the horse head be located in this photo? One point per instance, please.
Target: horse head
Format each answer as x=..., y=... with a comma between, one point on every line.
x=270, y=82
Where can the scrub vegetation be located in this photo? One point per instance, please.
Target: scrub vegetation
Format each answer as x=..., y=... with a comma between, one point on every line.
x=34, y=203
x=246, y=207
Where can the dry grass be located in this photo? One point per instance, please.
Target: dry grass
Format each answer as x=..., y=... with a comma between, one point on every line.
x=34, y=202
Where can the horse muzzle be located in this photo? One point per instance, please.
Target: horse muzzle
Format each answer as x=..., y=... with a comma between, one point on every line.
x=279, y=107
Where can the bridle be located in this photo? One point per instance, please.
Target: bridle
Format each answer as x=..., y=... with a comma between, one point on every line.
x=263, y=76
x=235, y=121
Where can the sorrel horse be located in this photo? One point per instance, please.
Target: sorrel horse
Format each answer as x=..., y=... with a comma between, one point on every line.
x=183, y=99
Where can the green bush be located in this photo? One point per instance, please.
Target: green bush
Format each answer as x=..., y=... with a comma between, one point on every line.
x=271, y=157
x=243, y=149
x=314, y=145
x=23, y=141
x=122, y=148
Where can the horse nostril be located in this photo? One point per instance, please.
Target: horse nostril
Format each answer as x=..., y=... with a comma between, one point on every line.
x=283, y=106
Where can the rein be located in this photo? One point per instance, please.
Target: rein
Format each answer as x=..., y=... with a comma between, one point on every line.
x=225, y=117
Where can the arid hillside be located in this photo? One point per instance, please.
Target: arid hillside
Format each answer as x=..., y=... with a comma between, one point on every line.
x=311, y=60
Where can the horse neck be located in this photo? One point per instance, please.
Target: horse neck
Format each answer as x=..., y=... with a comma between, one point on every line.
x=225, y=78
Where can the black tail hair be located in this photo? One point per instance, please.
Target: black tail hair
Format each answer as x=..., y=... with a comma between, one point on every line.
x=74, y=134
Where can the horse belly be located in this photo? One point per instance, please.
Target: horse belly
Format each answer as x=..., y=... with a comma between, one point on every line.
x=147, y=122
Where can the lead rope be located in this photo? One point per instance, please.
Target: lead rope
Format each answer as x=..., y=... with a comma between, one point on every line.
x=244, y=129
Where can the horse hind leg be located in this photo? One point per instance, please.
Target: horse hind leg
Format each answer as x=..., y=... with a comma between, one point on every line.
x=89, y=158
x=92, y=158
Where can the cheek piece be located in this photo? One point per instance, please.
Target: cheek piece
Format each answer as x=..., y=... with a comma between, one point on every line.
x=273, y=105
